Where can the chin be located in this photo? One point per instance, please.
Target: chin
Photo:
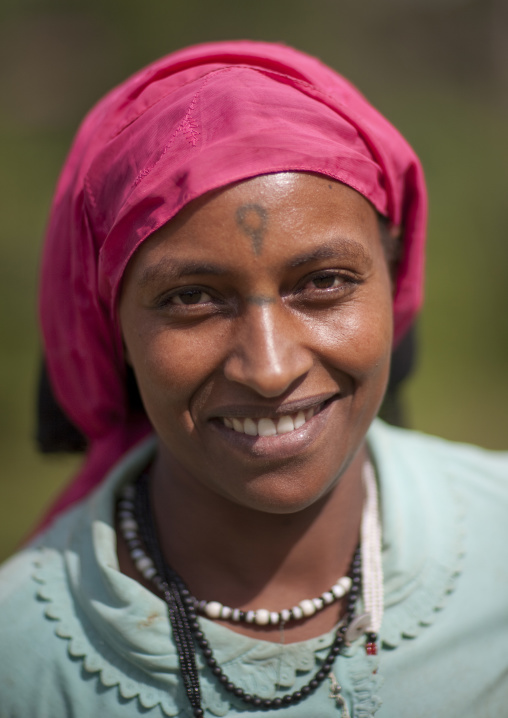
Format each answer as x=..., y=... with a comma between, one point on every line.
x=282, y=493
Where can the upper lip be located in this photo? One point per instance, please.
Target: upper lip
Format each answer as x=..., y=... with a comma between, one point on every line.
x=257, y=411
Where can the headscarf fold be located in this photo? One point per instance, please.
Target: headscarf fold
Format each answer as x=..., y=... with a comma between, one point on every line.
x=195, y=121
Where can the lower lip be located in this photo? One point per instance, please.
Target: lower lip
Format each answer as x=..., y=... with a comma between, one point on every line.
x=279, y=445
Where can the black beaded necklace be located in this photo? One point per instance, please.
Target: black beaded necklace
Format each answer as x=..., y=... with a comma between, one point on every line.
x=187, y=631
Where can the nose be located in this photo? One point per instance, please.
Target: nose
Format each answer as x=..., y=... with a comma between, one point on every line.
x=268, y=353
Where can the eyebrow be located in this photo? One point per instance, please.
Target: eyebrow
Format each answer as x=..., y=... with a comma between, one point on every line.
x=166, y=268
x=339, y=249
x=342, y=248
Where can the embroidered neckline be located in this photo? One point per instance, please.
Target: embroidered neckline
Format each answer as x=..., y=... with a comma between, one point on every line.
x=417, y=583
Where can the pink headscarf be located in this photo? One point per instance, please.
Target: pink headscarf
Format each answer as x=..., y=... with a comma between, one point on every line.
x=192, y=122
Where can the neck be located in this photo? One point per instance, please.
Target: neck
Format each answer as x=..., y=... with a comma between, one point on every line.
x=246, y=558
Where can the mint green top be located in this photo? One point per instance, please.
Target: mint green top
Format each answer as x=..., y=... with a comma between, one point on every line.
x=78, y=639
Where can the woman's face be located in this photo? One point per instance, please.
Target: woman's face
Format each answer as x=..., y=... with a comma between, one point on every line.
x=258, y=323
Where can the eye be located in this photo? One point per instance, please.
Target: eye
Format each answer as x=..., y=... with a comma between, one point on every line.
x=327, y=281
x=330, y=285
x=190, y=296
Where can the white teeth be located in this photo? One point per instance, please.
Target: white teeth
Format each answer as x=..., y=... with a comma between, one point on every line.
x=266, y=427
x=299, y=420
x=269, y=427
x=237, y=425
x=249, y=427
x=285, y=425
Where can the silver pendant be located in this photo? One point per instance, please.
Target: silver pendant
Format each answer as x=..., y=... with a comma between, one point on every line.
x=357, y=627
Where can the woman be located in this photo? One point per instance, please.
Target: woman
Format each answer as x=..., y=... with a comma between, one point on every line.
x=239, y=230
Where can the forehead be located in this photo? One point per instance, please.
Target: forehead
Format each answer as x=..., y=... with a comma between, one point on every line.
x=269, y=219
x=291, y=195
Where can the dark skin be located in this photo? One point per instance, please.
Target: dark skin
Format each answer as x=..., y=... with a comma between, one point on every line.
x=218, y=328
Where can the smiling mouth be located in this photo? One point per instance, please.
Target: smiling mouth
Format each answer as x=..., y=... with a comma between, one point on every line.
x=272, y=427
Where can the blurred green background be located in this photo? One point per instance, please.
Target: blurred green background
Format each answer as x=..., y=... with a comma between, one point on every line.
x=438, y=69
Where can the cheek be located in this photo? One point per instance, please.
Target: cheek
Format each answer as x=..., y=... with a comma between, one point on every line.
x=170, y=367
x=358, y=339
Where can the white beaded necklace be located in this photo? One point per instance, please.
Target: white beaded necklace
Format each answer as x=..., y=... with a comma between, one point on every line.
x=372, y=567
x=262, y=616
x=372, y=574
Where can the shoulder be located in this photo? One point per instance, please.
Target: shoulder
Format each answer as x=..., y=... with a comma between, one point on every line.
x=444, y=508
x=441, y=479
x=53, y=656
x=54, y=660
x=28, y=651
x=468, y=466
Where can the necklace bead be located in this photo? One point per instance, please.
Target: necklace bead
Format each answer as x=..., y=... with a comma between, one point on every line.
x=262, y=617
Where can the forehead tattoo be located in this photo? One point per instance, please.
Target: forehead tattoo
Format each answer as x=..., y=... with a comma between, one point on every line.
x=252, y=220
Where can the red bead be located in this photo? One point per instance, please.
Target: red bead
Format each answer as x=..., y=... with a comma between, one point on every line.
x=371, y=649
